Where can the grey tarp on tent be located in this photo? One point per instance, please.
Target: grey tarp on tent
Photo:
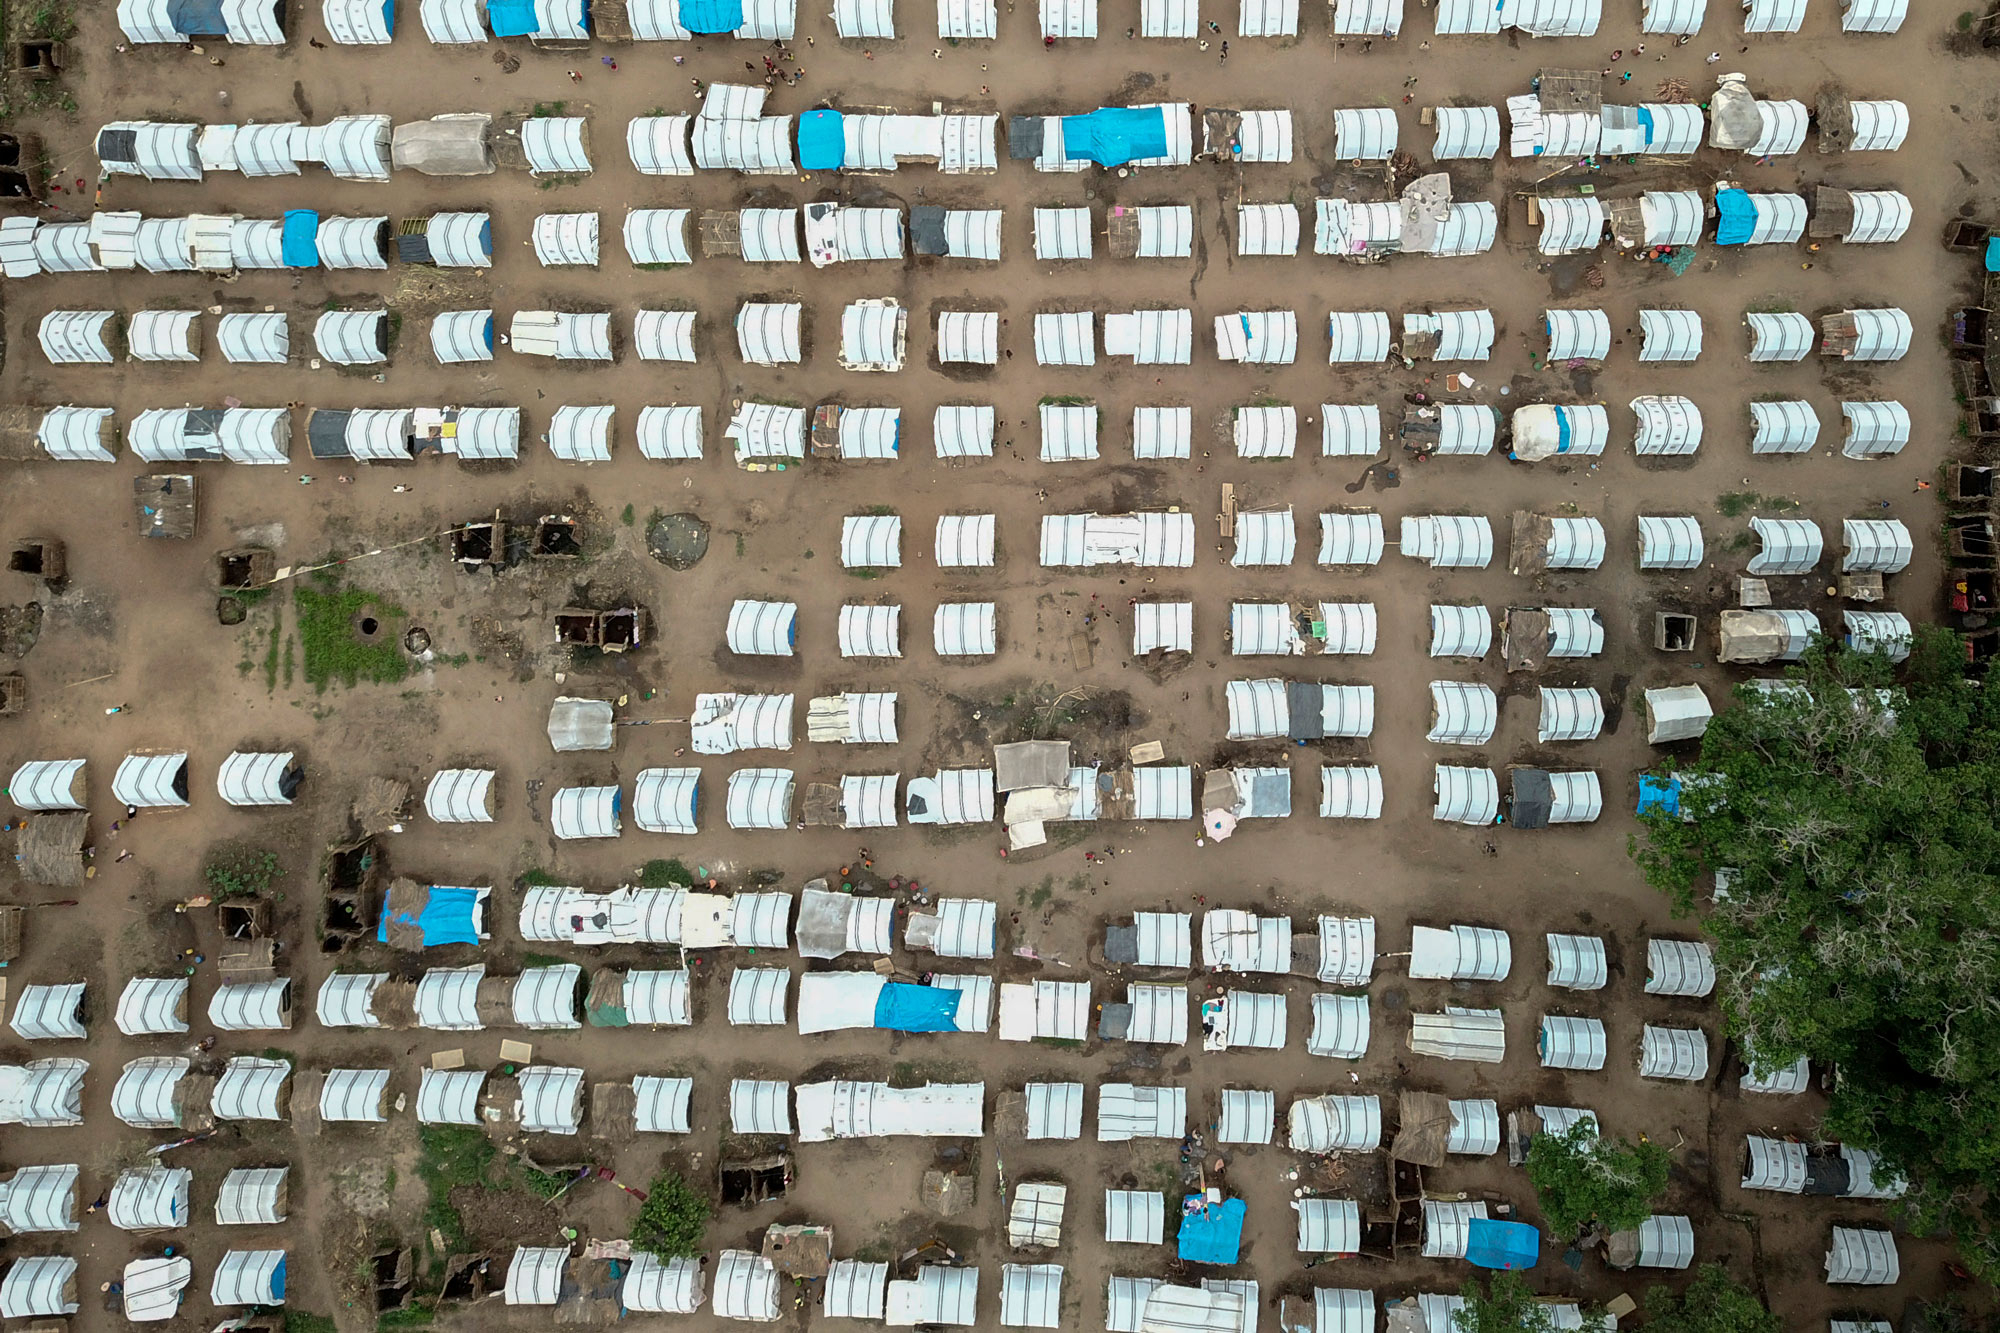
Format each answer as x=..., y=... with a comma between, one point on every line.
x=1422, y=1129
x=1024, y=137
x=451, y=145
x=1532, y=798
x=927, y=230
x=580, y=724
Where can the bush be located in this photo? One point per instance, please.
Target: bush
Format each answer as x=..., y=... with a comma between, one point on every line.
x=1509, y=1306
x=1712, y=1303
x=659, y=874
x=673, y=1219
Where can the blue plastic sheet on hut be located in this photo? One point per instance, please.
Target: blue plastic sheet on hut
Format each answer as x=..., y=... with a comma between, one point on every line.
x=298, y=243
x=1211, y=1233
x=902, y=1007
x=712, y=16
x=1738, y=217
x=822, y=141
x=1659, y=794
x=1111, y=136
x=1491, y=1243
x=449, y=916
x=512, y=18
x=1993, y=254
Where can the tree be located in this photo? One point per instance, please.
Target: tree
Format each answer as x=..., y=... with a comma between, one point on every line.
x=1508, y=1307
x=1860, y=826
x=1582, y=1177
x=1712, y=1303
x=673, y=1219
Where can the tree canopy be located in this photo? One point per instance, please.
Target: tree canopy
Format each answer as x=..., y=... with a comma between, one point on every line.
x=1858, y=823
x=1581, y=1177
x=1713, y=1303
x=1507, y=1306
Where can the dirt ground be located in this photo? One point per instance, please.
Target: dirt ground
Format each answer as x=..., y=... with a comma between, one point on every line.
x=136, y=624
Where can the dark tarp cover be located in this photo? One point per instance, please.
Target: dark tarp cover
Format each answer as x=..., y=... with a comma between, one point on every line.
x=197, y=18
x=1111, y=136
x=118, y=145
x=1532, y=798
x=1024, y=137
x=927, y=230
x=326, y=433
x=822, y=141
x=902, y=1007
x=413, y=249
x=1305, y=702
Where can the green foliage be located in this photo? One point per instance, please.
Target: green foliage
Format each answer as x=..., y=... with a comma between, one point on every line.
x=1508, y=1306
x=271, y=653
x=1582, y=1177
x=1735, y=504
x=669, y=873
x=540, y=1183
x=51, y=21
x=629, y=517
x=549, y=109
x=410, y=1316
x=538, y=878
x=330, y=644
x=1065, y=400
x=298, y=1321
x=673, y=1219
x=449, y=1156
x=1861, y=929
x=1713, y=1303
x=241, y=872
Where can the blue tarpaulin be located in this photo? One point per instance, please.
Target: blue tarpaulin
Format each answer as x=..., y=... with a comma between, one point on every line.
x=1211, y=1233
x=712, y=16
x=1111, y=136
x=389, y=17
x=1490, y=1243
x=449, y=916
x=822, y=141
x=1646, y=124
x=1562, y=430
x=1993, y=254
x=197, y=18
x=512, y=18
x=1738, y=218
x=299, y=244
x=278, y=1280
x=902, y=1007
x=1661, y=794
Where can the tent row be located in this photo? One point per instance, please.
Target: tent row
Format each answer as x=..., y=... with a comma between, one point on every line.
x=159, y=779
x=38, y=1199
x=149, y=1289
x=1574, y=224
x=1858, y=334
x=468, y=22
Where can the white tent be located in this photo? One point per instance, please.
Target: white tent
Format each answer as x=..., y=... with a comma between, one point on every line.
x=252, y=1006
x=1783, y=427
x=1163, y=793
x=48, y=784
x=1053, y=1110
x=1465, y=795
x=1577, y=962
x=1880, y=216
x=1358, y=337
x=1448, y=541
x=153, y=1006
x=1881, y=545
x=1868, y=335
x=1159, y=1014
x=1570, y=223
x=151, y=1198
x=1570, y=714
x=1786, y=546
x=872, y=335
x=1460, y=631
x=653, y=1285
x=1779, y=335
x=1062, y=233
x=1782, y=132
x=40, y=1286
x=1266, y=18
x=39, y=1199
x=964, y=629
x=1571, y=1043
x=49, y=1013
x=78, y=434
x=1364, y=134
x=1265, y=538
x=359, y=1095
x=1577, y=335
x=1462, y=713
x=551, y=1100
x=1667, y=426
x=535, y=1275
x=757, y=996
x=1665, y=1241
x=1126, y=1112
x=1677, y=713
x=77, y=337
x=258, y=779
x=251, y=1088
x=556, y=145
x=1339, y=1026
x=1875, y=428
x=449, y=1096
x=1460, y=953
x=1669, y=335
x=1877, y=127
x=1673, y=1053
x=1146, y=540
x=1670, y=541
x=544, y=999
x=1862, y=1256
x=1258, y=337
x=1334, y=1123
x=938, y=1295
x=1679, y=967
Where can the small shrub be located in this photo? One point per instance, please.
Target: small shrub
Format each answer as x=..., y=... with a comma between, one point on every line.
x=662, y=874
x=673, y=1219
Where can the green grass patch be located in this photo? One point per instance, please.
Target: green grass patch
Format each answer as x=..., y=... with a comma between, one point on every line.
x=549, y=108
x=298, y=1321
x=51, y=21
x=1965, y=20
x=541, y=1184
x=410, y=1316
x=668, y=873
x=538, y=878
x=289, y=664
x=241, y=872
x=1042, y=895
x=541, y=960
x=739, y=536
x=330, y=638
x=272, y=652
x=1066, y=400
x=878, y=511
x=449, y=1156
x=1735, y=504
x=629, y=516
x=864, y=574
